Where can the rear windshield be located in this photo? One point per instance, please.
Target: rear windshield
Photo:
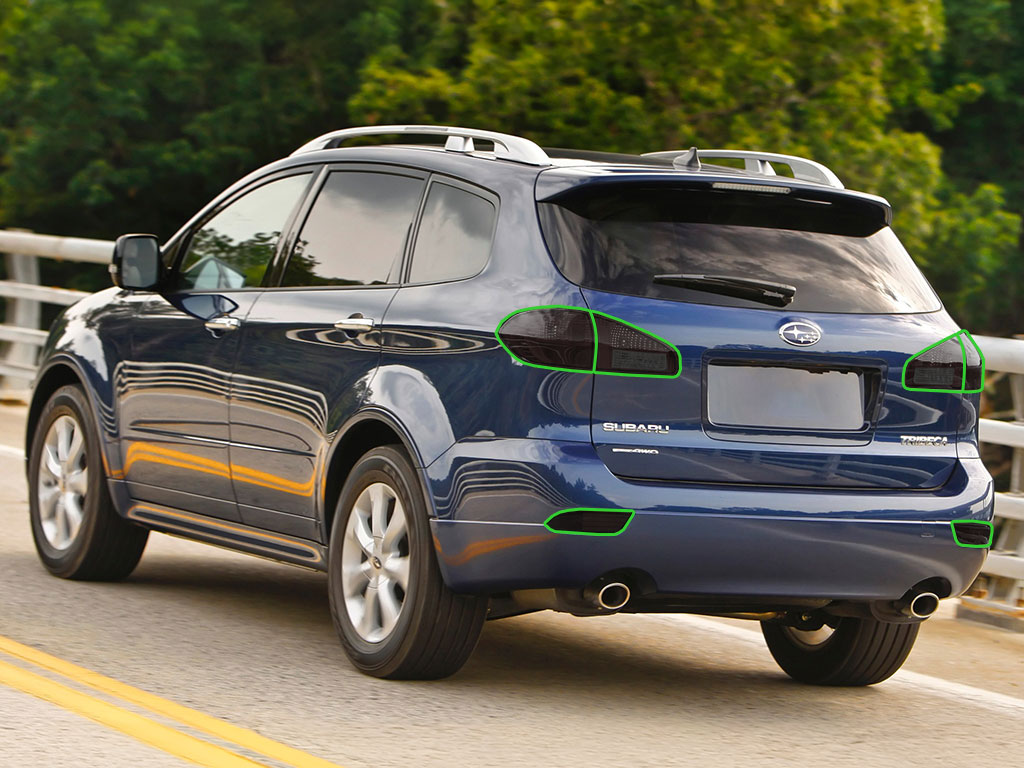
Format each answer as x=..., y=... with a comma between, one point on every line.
x=840, y=255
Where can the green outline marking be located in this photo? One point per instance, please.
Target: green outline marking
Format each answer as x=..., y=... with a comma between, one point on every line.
x=632, y=514
x=593, y=322
x=963, y=364
x=991, y=533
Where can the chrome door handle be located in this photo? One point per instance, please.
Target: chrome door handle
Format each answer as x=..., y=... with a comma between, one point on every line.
x=355, y=324
x=223, y=324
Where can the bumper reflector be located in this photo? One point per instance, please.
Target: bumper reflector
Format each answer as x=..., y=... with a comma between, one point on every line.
x=972, y=533
x=590, y=522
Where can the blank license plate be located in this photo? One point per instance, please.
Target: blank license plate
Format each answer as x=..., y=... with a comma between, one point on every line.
x=781, y=398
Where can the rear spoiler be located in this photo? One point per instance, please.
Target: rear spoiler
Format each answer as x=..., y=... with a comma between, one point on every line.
x=561, y=185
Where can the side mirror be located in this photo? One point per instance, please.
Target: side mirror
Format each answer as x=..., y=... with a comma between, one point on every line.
x=137, y=264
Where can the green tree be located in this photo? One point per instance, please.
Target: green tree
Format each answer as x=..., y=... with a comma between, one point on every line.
x=120, y=115
x=985, y=50
x=983, y=144
x=843, y=82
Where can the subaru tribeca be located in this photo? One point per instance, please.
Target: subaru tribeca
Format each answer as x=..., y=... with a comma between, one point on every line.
x=469, y=378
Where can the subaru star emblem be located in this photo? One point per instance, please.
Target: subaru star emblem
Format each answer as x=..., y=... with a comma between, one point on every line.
x=800, y=334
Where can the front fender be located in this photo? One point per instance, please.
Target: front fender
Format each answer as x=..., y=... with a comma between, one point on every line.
x=87, y=342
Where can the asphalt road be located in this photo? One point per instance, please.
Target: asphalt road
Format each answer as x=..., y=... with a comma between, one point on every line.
x=250, y=643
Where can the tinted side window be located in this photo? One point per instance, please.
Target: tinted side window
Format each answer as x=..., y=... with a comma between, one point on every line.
x=454, y=238
x=232, y=250
x=356, y=232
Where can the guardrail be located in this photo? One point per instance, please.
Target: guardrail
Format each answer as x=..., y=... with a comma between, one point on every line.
x=997, y=596
x=24, y=296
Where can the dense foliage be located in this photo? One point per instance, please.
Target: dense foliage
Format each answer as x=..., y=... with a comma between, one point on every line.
x=120, y=115
x=984, y=146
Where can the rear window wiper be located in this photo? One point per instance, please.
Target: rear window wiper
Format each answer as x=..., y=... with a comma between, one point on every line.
x=776, y=294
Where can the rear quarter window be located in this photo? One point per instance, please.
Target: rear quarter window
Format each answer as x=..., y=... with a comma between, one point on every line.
x=454, y=236
x=840, y=255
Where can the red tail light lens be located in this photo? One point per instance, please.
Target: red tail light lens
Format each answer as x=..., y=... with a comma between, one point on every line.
x=974, y=375
x=553, y=337
x=940, y=367
x=584, y=341
x=625, y=349
x=954, y=364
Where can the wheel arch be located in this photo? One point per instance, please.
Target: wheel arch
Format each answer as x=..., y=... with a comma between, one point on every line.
x=63, y=371
x=60, y=372
x=368, y=429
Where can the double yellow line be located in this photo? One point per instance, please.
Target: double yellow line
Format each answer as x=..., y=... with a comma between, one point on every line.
x=156, y=734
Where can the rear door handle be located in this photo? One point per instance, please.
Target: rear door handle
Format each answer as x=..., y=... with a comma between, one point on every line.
x=218, y=326
x=355, y=323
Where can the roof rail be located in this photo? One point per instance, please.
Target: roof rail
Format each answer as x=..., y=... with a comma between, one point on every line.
x=506, y=146
x=761, y=163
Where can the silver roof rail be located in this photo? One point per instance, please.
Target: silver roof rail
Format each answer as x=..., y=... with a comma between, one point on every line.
x=761, y=163
x=506, y=146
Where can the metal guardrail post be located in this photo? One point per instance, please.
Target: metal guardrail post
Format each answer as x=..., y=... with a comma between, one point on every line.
x=20, y=334
x=997, y=597
x=1017, y=470
x=21, y=313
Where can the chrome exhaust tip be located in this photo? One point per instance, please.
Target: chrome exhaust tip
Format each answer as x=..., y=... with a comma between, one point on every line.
x=922, y=605
x=613, y=596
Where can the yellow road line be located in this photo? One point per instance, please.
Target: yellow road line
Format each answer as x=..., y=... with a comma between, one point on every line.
x=142, y=728
x=213, y=726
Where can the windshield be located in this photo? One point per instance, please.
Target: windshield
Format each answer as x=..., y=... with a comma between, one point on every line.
x=839, y=255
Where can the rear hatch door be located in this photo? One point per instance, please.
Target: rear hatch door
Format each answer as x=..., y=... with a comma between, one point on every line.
x=807, y=394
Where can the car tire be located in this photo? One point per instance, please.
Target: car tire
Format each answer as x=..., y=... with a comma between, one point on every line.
x=381, y=532
x=76, y=529
x=856, y=651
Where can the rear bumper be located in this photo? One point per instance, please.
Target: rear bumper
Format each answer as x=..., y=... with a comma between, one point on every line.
x=492, y=496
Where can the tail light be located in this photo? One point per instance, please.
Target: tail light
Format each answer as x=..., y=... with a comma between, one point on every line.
x=625, y=349
x=585, y=341
x=552, y=337
x=954, y=364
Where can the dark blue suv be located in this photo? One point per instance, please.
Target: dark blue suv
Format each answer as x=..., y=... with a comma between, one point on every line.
x=471, y=378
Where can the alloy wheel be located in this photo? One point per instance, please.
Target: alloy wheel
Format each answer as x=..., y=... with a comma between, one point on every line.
x=63, y=482
x=375, y=562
